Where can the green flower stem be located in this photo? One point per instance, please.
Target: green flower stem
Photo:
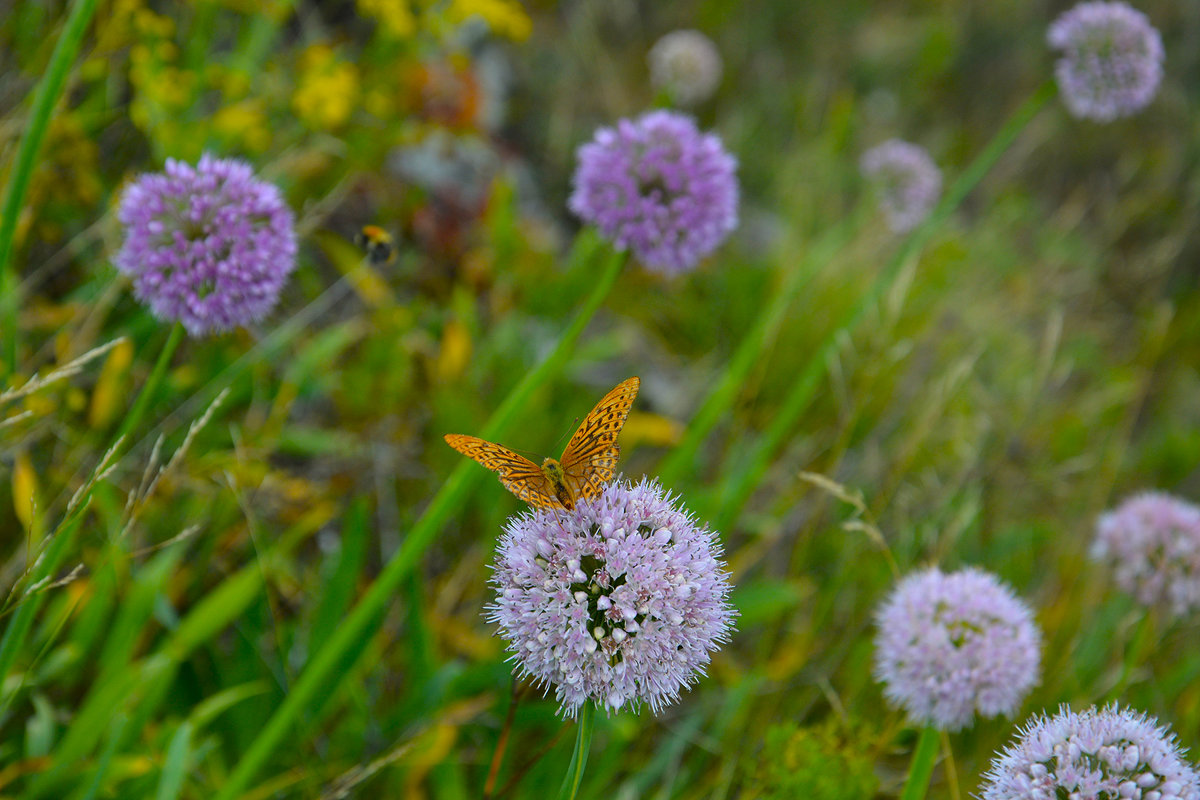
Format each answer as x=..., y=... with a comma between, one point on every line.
x=130, y=423
x=1138, y=647
x=583, y=743
x=329, y=665
x=921, y=768
x=740, y=485
x=750, y=351
x=44, y=99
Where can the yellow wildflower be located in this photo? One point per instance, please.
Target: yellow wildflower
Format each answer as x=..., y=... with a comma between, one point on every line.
x=395, y=17
x=244, y=122
x=503, y=17
x=327, y=90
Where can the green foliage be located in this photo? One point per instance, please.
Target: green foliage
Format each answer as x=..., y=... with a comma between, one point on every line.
x=816, y=762
x=275, y=587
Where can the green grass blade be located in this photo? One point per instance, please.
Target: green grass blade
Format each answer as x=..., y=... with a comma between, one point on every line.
x=44, y=99
x=921, y=768
x=738, y=487
x=756, y=340
x=175, y=765
x=319, y=678
x=583, y=743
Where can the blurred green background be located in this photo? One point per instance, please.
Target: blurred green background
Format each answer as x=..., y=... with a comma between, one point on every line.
x=1034, y=362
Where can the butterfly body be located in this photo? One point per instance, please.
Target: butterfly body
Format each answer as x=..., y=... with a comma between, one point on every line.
x=554, y=473
x=586, y=465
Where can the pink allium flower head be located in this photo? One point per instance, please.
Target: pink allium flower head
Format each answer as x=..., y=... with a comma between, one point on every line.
x=658, y=186
x=210, y=246
x=1101, y=754
x=907, y=180
x=1152, y=543
x=620, y=600
x=1112, y=60
x=687, y=65
x=952, y=644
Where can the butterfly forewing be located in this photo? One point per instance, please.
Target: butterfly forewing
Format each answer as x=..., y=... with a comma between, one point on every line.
x=591, y=455
x=518, y=474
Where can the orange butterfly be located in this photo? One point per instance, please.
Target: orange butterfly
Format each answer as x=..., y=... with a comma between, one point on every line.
x=586, y=464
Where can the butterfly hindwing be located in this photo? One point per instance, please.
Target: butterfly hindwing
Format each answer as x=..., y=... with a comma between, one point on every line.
x=592, y=453
x=519, y=475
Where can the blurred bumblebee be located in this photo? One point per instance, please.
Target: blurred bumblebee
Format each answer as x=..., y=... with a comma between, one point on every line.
x=377, y=243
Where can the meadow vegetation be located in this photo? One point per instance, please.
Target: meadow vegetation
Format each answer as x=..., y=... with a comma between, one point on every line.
x=244, y=563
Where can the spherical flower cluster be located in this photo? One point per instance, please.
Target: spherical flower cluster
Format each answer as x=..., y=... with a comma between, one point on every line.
x=1111, y=63
x=1103, y=754
x=1152, y=542
x=951, y=644
x=210, y=246
x=907, y=180
x=619, y=600
x=659, y=187
x=687, y=65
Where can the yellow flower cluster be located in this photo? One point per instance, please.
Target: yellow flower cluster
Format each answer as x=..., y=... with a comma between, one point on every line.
x=396, y=18
x=503, y=17
x=327, y=89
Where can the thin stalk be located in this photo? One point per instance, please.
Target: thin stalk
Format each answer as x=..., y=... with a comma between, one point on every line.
x=129, y=425
x=1137, y=648
x=502, y=742
x=583, y=743
x=44, y=99
x=740, y=485
x=334, y=660
x=921, y=768
x=750, y=351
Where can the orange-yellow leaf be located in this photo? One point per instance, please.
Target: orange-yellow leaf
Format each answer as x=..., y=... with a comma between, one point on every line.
x=24, y=488
x=455, y=351
x=109, y=396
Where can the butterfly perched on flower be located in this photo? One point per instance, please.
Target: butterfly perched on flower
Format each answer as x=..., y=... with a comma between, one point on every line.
x=586, y=465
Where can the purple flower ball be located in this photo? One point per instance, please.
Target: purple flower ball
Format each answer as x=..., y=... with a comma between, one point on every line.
x=952, y=644
x=658, y=186
x=907, y=180
x=1152, y=543
x=1101, y=754
x=620, y=600
x=210, y=246
x=1112, y=60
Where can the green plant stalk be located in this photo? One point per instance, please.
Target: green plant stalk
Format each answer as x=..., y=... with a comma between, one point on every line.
x=320, y=677
x=130, y=423
x=921, y=768
x=583, y=743
x=750, y=351
x=740, y=485
x=44, y=99
x=22, y=619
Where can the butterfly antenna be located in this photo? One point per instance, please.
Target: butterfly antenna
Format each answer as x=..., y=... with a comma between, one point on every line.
x=565, y=435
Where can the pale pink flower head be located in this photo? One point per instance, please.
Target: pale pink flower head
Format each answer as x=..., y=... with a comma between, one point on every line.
x=1152, y=544
x=1111, y=62
x=620, y=600
x=1100, y=754
x=950, y=645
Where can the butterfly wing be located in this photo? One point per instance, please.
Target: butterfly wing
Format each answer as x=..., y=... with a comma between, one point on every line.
x=519, y=475
x=592, y=454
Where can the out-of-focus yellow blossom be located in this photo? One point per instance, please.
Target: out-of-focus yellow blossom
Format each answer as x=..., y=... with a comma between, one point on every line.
x=396, y=19
x=327, y=89
x=244, y=122
x=66, y=179
x=504, y=17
